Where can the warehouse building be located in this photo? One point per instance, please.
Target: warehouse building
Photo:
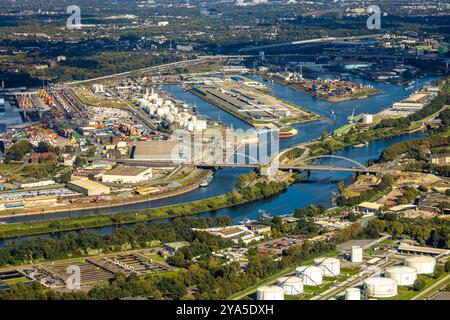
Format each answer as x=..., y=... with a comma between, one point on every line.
x=160, y=151
x=88, y=187
x=125, y=174
x=368, y=207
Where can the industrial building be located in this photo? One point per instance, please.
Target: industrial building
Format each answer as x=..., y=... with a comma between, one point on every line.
x=368, y=207
x=173, y=151
x=125, y=174
x=88, y=187
x=410, y=249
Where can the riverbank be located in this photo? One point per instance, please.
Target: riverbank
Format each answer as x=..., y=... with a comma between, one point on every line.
x=245, y=195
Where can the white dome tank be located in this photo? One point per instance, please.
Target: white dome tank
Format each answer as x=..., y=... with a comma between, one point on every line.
x=352, y=294
x=378, y=287
x=357, y=254
x=292, y=286
x=331, y=267
x=405, y=276
x=311, y=275
x=270, y=293
x=423, y=264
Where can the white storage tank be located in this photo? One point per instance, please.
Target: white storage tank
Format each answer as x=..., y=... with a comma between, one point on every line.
x=352, y=294
x=405, y=276
x=378, y=287
x=331, y=267
x=292, y=286
x=357, y=254
x=311, y=275
x=423, y=264
x=270, y=293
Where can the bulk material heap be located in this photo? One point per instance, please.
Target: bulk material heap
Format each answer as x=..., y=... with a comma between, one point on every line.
x=378, y=287
x=270, y=293
x=292, y=286
x=423, y=264
x=331, y=267
x=405, y=276
x=311, y=275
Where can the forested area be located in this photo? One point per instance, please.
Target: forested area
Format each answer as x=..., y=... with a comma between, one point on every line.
x=137, y=236
x=432, y=232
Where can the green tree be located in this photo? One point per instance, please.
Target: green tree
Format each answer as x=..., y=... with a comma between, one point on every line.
x=419, y=284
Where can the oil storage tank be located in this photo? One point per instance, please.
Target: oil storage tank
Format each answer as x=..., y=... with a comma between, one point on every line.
x=405, y=276
x=423, y=264
x=292, y=286
x=311, y=275
x=378, y=287
x=357, y=254
x=352, y=294
x=331, y=267
x=270, y=293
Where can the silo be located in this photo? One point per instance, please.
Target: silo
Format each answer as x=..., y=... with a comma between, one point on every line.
x=292, y=286
x=357, y=254
x=270, y=293
x=423, y=264
x=331, y=267
x=405, y=276
x=352, y=294
x=378, y=287
x=311, y=275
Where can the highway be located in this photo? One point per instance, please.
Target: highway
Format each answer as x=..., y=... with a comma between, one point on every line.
x=317, y=40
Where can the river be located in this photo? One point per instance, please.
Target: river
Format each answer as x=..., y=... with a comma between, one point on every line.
x=317, y=191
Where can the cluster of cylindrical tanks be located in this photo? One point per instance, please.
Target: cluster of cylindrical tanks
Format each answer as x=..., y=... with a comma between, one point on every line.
x=162, y=108
x=379, y=287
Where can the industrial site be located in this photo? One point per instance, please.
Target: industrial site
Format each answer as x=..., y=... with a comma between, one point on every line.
x=235, y=157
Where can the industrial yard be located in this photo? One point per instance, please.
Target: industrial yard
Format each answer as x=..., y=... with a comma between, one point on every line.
x=252, y=104
x=360, y=270
x=92, y=270
x=333, y=90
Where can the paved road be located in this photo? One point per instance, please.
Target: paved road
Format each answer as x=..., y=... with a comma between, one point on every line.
x=433, y=287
